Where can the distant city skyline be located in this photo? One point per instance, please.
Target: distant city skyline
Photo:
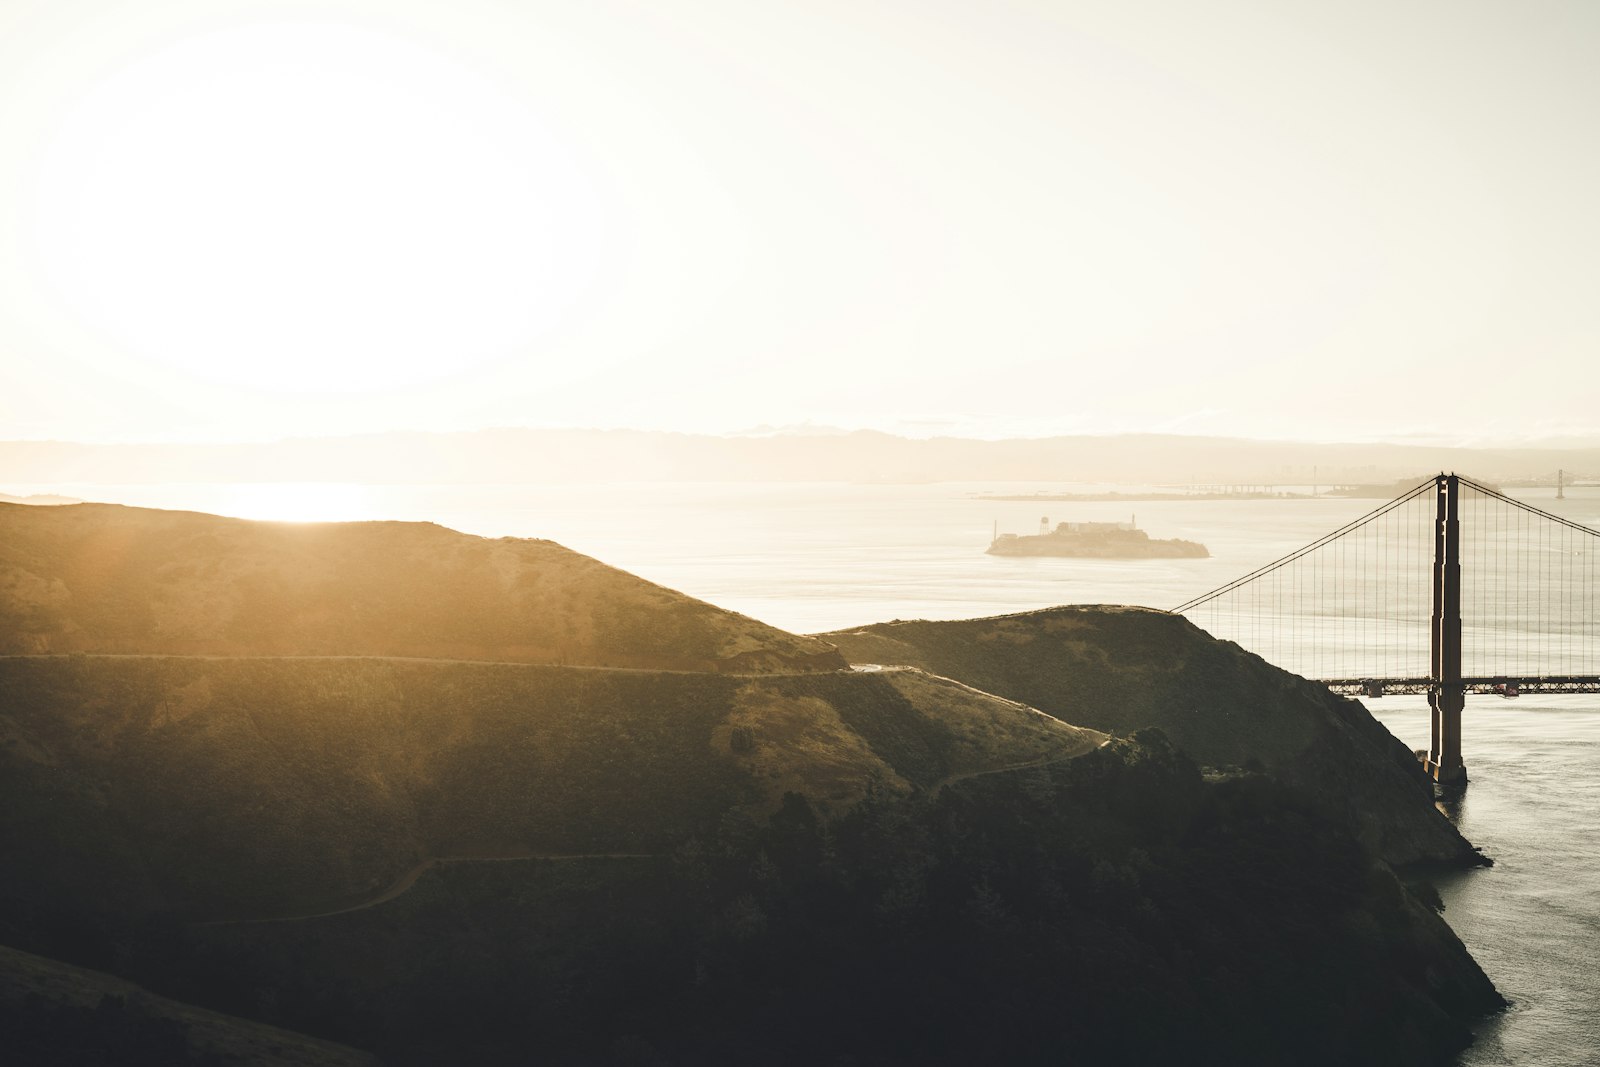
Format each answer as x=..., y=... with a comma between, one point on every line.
x=281, y=218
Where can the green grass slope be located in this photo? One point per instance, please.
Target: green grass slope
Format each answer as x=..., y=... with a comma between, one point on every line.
x=112, y=579
x=1122, y=669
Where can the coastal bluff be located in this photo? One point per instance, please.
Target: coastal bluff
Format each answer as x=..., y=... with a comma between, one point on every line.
x=1122, y=669
x=316, y=777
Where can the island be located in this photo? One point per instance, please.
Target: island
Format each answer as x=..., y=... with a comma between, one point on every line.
x=1095, y=540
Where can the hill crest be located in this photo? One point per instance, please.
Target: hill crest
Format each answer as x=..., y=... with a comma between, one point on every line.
x=1120, y=669
x=105, y=578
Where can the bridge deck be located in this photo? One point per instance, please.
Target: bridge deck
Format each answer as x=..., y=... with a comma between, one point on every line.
x=1495, y=686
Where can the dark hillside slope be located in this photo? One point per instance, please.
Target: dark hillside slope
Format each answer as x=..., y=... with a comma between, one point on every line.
x=211, y=788
x=738, y=859
x=1110, y=909
x=1122, y=669
x=112, y=579
x=56, y=1015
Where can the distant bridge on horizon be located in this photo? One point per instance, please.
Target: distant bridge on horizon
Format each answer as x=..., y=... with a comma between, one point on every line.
x=1450, y=588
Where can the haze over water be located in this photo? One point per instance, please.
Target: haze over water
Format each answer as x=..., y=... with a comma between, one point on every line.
x=813, y=557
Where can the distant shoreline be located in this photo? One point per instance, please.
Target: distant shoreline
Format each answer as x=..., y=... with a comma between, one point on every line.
x=1144, y=496
x=39, y=499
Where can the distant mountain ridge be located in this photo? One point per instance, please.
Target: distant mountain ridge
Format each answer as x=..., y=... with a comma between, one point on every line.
x=541, y=455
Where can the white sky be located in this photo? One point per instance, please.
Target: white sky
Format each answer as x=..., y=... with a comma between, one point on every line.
x=261, y=218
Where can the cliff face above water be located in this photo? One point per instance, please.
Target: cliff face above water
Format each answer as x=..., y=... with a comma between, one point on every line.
x=1122, y=669
x=110, y=579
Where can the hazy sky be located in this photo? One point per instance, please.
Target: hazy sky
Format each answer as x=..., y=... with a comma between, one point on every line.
x=255, y=218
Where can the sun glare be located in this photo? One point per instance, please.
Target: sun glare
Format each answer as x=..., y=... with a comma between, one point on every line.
x=313, y=207
x=297, y=502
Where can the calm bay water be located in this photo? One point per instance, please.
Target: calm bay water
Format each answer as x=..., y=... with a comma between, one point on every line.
x=1533, y=919
x=813, y=557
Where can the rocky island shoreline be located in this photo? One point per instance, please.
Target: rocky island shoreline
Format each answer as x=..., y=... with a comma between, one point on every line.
x=1096, y=540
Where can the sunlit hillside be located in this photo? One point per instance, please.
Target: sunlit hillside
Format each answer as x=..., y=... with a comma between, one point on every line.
x=102, y=578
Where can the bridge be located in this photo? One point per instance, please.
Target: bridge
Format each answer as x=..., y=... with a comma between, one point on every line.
x=1450, y=588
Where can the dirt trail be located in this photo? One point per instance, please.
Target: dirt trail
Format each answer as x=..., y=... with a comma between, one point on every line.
x=437, y=660
x=1040, y=762
x=409, y=879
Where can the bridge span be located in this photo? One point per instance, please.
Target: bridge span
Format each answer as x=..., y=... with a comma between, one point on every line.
x=1451, y=588
x=1504, y=686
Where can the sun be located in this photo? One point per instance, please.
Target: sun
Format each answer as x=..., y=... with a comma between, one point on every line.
x=297, y=502
x=319, y=207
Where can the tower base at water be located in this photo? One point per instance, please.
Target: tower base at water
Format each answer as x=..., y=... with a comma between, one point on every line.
x=1447, y=779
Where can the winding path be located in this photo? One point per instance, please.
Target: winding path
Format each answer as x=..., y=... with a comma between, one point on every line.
x=409, y=878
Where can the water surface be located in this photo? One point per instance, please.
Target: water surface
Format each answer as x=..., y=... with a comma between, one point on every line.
x=1533, y=919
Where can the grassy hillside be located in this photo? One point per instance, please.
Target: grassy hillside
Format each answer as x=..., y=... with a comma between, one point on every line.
x=1123, y=669
x=1112, y=909
x=232, y=788
x=56, y=1015
x=683, y=839
x=105, y=578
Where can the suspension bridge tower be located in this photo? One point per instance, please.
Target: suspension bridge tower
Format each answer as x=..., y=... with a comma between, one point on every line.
x=1446, y=692
x=1368, y=608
